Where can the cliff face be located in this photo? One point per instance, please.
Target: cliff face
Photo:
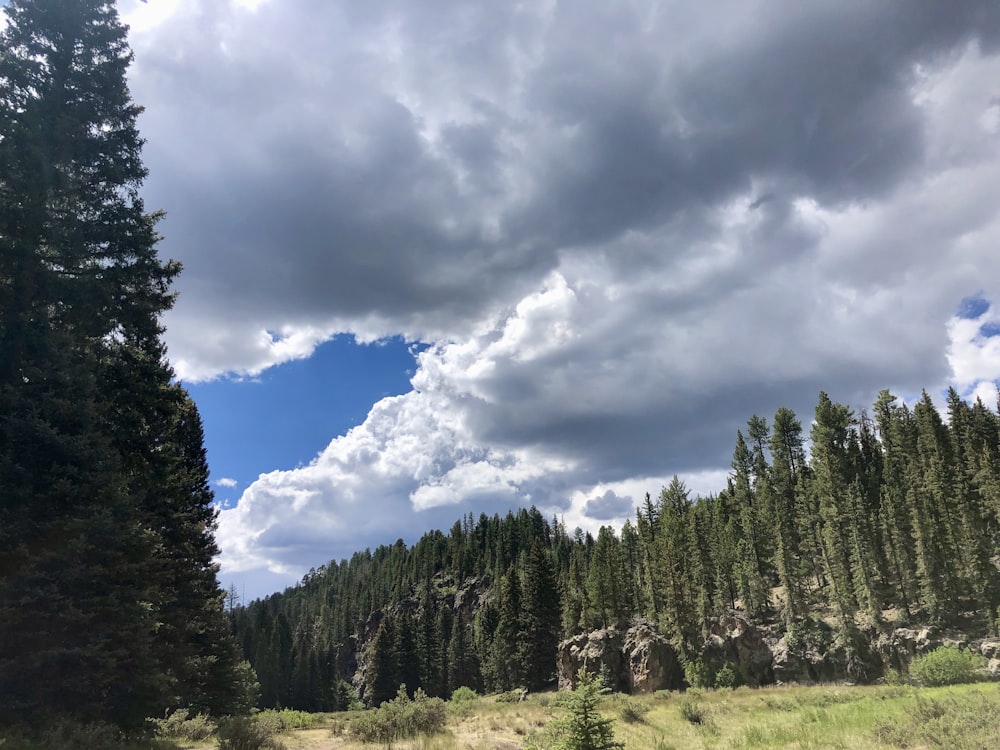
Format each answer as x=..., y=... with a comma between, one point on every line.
x=462, y=602
x=637, y=659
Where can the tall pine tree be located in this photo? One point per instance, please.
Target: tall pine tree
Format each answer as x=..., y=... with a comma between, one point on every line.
x=109, y=607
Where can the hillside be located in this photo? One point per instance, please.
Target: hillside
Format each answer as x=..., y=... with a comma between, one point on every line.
x=844, y=561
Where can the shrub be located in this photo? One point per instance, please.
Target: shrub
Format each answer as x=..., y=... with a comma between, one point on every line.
x=285, y=719
x=945, y=666
x=727, y=677
x=512, y=696
x=182, y=726
x=692, y=711
x=245, y=733
x=66, y=734
x=697, y=674
x=959, y=723
x=463, y=694
x=400, y=718
x=633, y=712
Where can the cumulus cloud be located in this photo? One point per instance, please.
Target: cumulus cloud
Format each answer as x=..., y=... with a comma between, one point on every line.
x=620, y=230
x=609, y=506
x=226, y=482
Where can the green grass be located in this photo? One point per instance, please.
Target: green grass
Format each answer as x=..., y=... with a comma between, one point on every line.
x=963, y=717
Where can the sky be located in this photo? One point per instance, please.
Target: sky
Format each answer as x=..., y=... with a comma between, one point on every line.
x=446, y=257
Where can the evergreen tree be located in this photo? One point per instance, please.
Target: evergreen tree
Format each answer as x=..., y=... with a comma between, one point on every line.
x=108, y=603
x=382, y=679
x=585, y=728
x=749, y=553
x=788, y=457
x=463, y=665
x=605, y=582
x=540, y=618
x=830, y=435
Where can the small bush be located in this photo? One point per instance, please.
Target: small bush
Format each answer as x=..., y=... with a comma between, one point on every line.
x=945, y=666
x=182, y=726
x=633, y=712
x=66, y=734
x=727, y=677
x=697, y=674
x=968, y=723
x=512, y=696
x=245, y=733
x=893, y=677
x=692, y=711
x=401, y=718
x=286, y=719
x=463, y=694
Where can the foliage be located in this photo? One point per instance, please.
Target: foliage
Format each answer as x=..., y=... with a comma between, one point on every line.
x=697, y=673
x=109, y=606
x=893, y=512
x=692, y=711
x=181, y=725
x=287, y=719
x=585, y=728
x=463, y=695
x=246, y=733
x=727, y=677
x=511, y=696
x=632, y=711
x=948, y=722
x=400, y=718
x=947, y=665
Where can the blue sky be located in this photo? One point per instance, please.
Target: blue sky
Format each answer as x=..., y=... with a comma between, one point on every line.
x=285, y=416
x=617, y=230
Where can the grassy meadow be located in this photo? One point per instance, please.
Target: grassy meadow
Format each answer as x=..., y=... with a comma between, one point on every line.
x=965, y=717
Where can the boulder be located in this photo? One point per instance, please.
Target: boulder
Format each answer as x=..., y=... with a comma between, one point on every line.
x=734, y=639
x=804, y=666
x=651, y=662
x=637, y=660
x=599, y=652
x=994, y=669
x=990, y=648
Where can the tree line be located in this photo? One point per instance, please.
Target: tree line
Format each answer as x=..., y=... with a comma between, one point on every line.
x=894, y=512
x=109, y=605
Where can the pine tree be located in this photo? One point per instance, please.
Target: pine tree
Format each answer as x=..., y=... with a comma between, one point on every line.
x=585, y=728
x=100, y=475
x=540, y=618
x=830, y=435
x=788, y=457
x=383, y=676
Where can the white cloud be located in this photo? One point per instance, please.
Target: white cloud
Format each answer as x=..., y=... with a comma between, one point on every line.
x=620, y=230
x=226, y=482
x=975, y=357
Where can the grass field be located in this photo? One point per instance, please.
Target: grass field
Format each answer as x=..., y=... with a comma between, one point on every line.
x=958, y=718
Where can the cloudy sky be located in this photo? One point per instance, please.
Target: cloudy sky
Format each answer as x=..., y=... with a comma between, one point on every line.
x=449, y=257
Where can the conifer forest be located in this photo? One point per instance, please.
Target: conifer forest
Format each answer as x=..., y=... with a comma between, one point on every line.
x=110, y=607
x=895, y=511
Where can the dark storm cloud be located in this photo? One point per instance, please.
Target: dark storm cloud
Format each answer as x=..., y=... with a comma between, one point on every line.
x=621, y=229
x=609, y=506
x=292, y=146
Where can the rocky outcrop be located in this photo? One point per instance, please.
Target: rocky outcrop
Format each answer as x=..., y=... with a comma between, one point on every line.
x=733, y=639
x=989, y=647
x=650, y=661
x=899, y=647
x=463, y=600
x=636, y=660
